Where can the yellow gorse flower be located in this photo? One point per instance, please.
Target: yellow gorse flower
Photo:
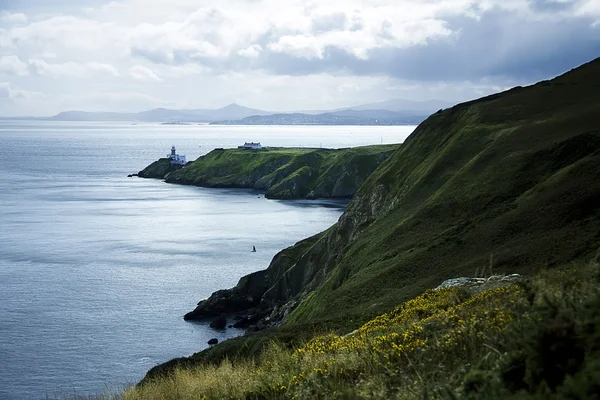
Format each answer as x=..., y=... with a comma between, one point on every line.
x=402, y=330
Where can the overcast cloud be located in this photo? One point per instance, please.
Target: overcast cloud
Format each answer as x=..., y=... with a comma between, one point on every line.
x=131, y=55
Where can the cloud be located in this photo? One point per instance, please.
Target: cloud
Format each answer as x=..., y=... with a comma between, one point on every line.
x=141, y=73
x=122, y=101
x=334, y=21
x=298, y=46
x=12, y=18
x=460, y=47
x=153, y=55
x=72, y=69
x=186, y=70
x=198, y=36
x=11, y=65
x=361, y=44
x=252, y=51
x=527, y=50
x=591, y=9
x=354, y=36
x=14, y=94
x=65, y=32
x=5, y=90
x=211, y=34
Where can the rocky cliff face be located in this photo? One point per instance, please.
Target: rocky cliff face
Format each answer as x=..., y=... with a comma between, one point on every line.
x=516, y=175
x=254, y=297
x=159, y=169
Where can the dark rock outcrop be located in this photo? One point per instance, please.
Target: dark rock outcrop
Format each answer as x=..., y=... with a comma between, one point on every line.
x=260, y=299
x=244, y=296
x=476, y=285
x=253, y=318
x=220, y=322
x=159, y=169
x=213, y=341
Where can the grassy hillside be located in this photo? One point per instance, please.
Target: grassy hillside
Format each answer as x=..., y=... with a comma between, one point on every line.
x=508, y=183
x=515, y=176
x=286, y=172
x=537, y=339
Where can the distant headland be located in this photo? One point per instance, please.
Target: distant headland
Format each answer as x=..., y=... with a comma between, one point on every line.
x=282, y=173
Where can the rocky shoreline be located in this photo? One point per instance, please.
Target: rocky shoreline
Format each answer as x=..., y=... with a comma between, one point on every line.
x=261, y=299
x=245, y=306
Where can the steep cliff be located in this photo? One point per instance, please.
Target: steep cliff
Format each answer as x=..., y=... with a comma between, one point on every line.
x=285, y=173
x=246, y=296
x=510, y=182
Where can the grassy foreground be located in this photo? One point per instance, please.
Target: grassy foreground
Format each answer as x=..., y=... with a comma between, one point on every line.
x=536, y=339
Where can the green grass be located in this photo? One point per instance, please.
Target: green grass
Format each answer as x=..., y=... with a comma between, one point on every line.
x=515, y=176
x=286, y=172
x=536, y=339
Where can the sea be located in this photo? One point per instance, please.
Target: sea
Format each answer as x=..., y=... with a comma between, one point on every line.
x=98, y=269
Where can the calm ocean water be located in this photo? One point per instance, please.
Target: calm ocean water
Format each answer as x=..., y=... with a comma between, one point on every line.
x=97, y=270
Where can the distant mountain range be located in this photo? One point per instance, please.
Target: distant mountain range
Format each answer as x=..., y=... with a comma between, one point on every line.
x=397, y=105
x=345, y=117
x=391, y=112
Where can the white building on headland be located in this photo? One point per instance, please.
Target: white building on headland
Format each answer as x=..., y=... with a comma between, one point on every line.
x=176, y=158
x=251, y=146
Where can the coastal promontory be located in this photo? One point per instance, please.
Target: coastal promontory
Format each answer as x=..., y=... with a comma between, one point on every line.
x=282, y=173
x=508, y=184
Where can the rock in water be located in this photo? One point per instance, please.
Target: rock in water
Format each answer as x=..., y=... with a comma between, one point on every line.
x=219, y=323
x=213, y=341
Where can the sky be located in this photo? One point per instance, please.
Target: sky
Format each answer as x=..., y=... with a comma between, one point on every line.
x=280, y=55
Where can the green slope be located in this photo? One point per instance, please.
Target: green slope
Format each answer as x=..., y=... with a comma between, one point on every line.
x=513, y=177
x=286, y=173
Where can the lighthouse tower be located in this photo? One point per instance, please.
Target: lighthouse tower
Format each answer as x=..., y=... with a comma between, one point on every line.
x=176, y=158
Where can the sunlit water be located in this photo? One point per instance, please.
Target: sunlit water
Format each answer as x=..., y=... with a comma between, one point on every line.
x=97, y=269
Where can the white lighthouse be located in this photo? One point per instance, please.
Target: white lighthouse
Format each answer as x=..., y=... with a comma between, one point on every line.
x=176, y=158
